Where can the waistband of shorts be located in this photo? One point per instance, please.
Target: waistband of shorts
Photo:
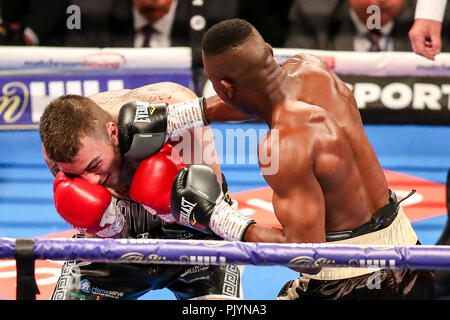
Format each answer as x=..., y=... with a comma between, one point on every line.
x=399, y=233
x=379, y=220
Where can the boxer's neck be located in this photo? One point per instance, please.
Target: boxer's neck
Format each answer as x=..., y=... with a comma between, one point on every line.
x=275, y=89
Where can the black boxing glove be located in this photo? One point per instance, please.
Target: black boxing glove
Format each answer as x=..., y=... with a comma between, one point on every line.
x=197, y=201
x=144, y=127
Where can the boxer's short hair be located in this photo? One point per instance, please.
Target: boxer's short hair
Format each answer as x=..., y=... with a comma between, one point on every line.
x=226, y=35
x=66, y=120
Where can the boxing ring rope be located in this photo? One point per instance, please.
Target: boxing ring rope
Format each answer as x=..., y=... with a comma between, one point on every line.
x=214, y=252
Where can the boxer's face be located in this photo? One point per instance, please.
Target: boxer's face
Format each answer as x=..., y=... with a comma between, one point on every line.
x=98, y=161
x=217, y=68
x=233, y=72
x=52, y=165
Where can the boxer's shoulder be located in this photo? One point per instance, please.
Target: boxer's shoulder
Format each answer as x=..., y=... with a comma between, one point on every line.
x=169, y=92
x=306, y=64
x=301, y=123
x=106, y=97
x=305, y=58
x=294, y=114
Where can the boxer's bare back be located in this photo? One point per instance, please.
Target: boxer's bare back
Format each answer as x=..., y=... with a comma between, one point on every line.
x=328, y=170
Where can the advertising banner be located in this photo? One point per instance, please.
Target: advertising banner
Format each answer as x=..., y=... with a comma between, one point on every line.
x=389, y=87
x=30, y=80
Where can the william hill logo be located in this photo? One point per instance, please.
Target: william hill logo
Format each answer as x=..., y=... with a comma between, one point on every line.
x=23, y=102
x=13, y=101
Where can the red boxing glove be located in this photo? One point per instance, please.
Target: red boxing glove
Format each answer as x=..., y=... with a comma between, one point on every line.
x=152, y=182
x=87, y=207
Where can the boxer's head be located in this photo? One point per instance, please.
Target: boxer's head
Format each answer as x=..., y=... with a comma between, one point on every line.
x=239, y=63
x=80, y=138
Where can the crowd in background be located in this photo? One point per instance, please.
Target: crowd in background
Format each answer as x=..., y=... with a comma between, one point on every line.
x=309, y=24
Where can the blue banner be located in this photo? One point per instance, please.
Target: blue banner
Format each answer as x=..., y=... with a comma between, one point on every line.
x=23, y=98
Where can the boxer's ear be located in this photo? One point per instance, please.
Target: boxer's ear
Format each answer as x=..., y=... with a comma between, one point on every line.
x=270, y=48
x=228, y=88
x=113, y=132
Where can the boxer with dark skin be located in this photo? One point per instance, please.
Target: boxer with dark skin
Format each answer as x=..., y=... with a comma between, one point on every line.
x=327, y=166
x=329, y=185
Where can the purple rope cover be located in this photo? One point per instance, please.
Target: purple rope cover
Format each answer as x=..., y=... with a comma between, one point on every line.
x=225, y=252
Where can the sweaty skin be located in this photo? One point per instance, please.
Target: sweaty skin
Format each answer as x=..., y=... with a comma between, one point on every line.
x=329, y=178
x=314, y=83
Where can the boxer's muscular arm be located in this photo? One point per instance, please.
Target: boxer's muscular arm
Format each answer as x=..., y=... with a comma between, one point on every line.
x=217, y=111
x=168, y=92
x=297, y=200
x=300, y=209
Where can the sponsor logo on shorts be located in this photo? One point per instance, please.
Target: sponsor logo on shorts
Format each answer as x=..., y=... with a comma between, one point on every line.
x=85, y=286
x=77, y=295
x=108, y=293
x=195, y=273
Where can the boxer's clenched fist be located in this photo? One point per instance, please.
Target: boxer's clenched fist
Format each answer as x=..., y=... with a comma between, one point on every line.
x=87, y=207
x=144, y=127
x=152, y=182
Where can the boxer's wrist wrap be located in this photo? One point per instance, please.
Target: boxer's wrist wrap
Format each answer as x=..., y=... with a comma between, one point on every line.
x=113, y=217
x=228, y=223
x=169, y=218
x=185, y=116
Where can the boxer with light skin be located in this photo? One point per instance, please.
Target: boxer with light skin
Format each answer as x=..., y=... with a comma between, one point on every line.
x=103, y=193
x=111, y=102
x=87, y=164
